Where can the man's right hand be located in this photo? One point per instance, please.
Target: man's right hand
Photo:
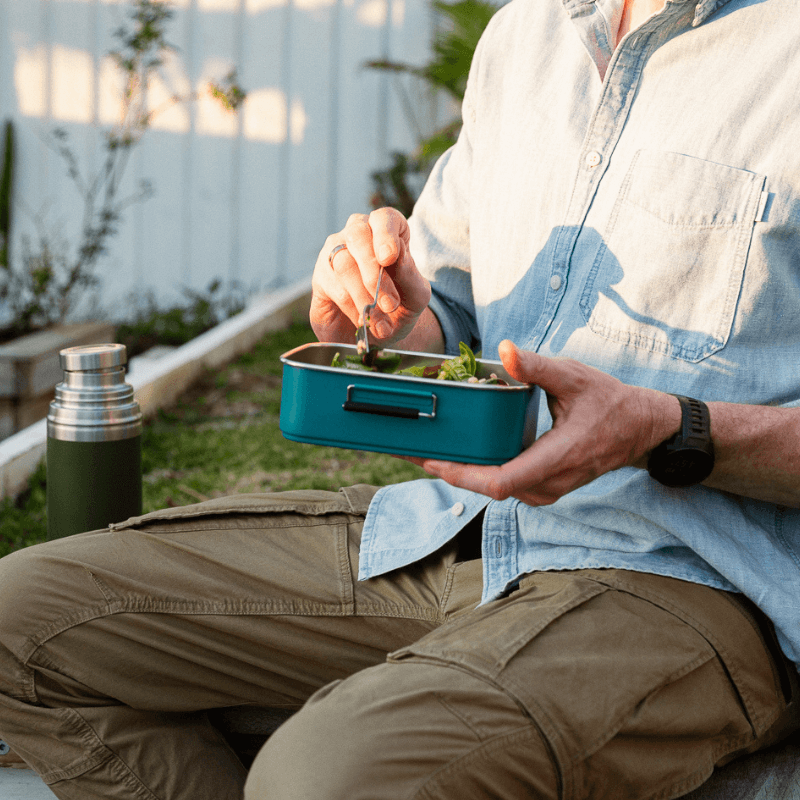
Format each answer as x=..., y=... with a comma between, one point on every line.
x=342, y=288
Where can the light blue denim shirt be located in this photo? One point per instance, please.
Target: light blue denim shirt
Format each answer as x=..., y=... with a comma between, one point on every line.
x=648, y=224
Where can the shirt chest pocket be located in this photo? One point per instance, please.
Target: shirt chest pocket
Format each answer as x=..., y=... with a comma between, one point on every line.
x=668, y=274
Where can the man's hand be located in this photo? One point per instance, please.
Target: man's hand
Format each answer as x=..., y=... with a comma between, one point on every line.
x=599, y=424
x=343, y=288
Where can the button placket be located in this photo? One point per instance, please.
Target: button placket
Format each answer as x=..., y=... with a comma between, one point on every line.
x=606, y=127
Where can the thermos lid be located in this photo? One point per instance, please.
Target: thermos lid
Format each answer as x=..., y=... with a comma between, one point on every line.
x=93, y=356
x=94, y=403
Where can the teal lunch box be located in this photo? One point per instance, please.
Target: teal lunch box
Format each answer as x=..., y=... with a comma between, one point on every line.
x=401, y=414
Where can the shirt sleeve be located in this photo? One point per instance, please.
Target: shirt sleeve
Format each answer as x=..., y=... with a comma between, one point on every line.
x=440, y=240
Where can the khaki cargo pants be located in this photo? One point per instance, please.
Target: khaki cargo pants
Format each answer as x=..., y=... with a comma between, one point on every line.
x=588, y=684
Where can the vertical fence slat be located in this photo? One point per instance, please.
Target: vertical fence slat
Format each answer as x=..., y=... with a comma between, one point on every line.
x=234, y=264
x=263, y=131
x=334, y=122
x=187, y=160
x=285, y=162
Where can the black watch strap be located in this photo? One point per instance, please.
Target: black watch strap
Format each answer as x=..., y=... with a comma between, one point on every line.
x=687, y=457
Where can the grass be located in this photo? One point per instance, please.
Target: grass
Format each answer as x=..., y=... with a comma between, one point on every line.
x=222, y=438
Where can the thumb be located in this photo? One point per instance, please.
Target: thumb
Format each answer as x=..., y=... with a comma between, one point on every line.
x=522, y=365
x=526, y=366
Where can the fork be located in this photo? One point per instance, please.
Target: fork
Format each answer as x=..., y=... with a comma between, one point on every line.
x=362, y=341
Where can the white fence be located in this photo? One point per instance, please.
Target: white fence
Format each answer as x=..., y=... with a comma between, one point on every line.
x=245, y=198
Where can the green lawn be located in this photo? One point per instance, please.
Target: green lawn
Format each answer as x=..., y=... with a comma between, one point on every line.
x=223, y=438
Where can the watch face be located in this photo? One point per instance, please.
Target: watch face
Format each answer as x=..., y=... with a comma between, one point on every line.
x=685, y=467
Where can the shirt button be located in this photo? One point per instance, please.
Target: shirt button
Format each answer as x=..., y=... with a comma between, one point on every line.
x=457, y=510
x=555, y=283
x=593, y=159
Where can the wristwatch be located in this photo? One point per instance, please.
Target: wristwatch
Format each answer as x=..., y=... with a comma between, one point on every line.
x=687, y=457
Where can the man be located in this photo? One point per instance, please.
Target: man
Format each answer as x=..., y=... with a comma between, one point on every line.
x=619, y=223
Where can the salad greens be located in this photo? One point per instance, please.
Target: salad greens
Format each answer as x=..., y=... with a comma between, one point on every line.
x=462, y=367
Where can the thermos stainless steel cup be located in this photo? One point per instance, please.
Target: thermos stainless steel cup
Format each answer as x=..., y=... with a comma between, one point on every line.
x=94, y=443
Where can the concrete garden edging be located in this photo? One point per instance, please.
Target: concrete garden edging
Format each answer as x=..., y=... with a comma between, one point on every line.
x=159, y=382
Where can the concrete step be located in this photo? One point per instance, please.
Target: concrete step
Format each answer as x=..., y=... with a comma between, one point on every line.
x=23, y=784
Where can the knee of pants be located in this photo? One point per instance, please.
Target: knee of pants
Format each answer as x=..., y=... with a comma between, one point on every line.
x=37, y=589
x=26, y=578
x=18, y=590
x=407, y=730
x=22, y=582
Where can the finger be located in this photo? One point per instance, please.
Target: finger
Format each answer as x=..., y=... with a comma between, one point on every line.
x=359, y=272
x=480, y=479
x=390, y=236
x=357, y=266
x=330, y=301
x=409, y=289
x=333, y=312
x=339, y=294
x=390, y=233
x=538, y=476
x=489, y=481
x=492, y=481
x=392, y=314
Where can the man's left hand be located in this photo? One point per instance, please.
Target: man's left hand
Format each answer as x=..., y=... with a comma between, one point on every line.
x=599, y=424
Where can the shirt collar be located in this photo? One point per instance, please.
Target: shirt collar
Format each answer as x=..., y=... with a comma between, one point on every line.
x=704, y=9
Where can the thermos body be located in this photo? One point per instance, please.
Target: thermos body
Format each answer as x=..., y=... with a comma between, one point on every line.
x=94, y=443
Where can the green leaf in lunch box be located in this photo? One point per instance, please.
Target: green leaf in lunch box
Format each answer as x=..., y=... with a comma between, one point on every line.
x=460, y=368
x=387, y=362
x=430, y=371
x=384, y=362
x=338, y=361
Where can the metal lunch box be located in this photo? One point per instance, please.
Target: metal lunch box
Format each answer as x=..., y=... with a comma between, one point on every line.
x=402, y=414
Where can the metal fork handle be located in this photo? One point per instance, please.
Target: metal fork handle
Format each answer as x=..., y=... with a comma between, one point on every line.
x=377, y=289
x=369, y=307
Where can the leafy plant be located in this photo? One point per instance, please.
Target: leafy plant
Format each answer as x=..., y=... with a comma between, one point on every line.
x=391, y=186
x=178, y=325
x=463, y=23
x=53, y=272
x=229, y=93
x=23, y=521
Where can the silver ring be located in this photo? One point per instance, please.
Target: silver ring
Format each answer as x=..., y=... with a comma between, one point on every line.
x=333, y=253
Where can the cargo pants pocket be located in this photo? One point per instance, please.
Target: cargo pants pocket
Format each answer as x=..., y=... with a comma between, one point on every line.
x=284, y=552
x=349, y=500
x=582, y=662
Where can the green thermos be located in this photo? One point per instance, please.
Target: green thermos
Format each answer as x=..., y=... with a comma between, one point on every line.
x=94, y=443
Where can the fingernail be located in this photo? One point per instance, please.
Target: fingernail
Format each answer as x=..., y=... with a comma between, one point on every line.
x=385, y=253
x=388, y=303
x=383, y=329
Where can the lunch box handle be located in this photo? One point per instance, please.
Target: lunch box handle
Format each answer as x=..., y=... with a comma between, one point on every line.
x=390, y=411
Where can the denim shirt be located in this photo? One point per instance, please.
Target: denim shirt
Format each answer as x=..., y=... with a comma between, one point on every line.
x=646, y=223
